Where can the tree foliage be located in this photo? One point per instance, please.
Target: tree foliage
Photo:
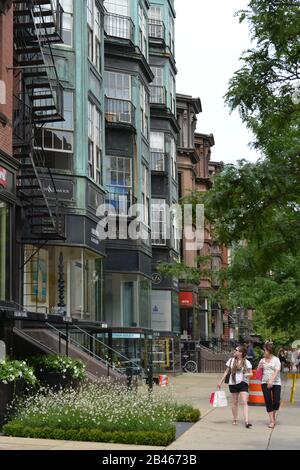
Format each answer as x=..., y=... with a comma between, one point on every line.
x=260, y=202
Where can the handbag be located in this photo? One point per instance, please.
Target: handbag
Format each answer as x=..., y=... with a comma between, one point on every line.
x=259, y=373
x=227, y=378
x=220, y=399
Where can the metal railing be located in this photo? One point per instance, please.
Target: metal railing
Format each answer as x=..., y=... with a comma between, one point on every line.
x=158, y=94
x=114, y=360
x=119, y=111
x=119, y=26
x=157, y=29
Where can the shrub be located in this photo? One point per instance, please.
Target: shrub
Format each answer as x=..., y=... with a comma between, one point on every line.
x=149, y=438
x=54, y=363
x=186, y=413
x=10, y=371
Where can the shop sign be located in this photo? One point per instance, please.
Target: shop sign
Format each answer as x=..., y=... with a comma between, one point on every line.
x=156, y=278
x=64, y=189
x=186, y=299
x=3, y=177
x=126, y=336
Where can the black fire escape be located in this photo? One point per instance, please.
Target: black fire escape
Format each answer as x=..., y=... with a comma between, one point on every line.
x=38, y=101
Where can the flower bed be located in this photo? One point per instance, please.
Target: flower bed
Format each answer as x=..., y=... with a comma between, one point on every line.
x=103, y=412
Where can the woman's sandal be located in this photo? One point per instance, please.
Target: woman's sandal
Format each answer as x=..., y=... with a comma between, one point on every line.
x=271, y=425
x=248, y=425
x=234, y=423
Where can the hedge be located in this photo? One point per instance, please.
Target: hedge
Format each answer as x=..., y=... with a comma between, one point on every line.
x=153, y=438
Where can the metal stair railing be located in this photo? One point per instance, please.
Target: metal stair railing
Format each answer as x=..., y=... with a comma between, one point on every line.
x=133, y=366
x=69, y=339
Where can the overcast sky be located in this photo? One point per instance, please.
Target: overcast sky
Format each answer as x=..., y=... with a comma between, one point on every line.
x=209, y=42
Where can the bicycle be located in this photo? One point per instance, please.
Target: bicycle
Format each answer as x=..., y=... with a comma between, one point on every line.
x=190, y=366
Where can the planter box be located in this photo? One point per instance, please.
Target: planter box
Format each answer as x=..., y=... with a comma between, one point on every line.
x=56, y=380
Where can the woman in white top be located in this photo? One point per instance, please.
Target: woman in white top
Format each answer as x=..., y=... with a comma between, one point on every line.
x=240, y=370
x=271, y=382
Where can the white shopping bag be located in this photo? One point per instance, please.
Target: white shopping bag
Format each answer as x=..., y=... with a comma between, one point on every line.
x=220, y=399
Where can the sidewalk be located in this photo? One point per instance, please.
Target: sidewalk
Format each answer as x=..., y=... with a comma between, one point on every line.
x=213, y=432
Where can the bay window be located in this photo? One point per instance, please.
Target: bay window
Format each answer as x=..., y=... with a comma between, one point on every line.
x=157, y=143
x=94, y=143
x=94, y=33
x=57, y=139
x=159, y=222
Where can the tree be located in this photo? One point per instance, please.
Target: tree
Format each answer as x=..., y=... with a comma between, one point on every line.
x=260, y=202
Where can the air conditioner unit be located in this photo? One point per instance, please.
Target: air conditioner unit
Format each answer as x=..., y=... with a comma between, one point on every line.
x=111, y=117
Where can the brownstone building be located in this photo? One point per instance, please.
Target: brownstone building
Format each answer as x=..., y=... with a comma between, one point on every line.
x=200, y=319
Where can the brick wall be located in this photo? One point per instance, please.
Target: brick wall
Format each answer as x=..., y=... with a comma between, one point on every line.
x=6, y=81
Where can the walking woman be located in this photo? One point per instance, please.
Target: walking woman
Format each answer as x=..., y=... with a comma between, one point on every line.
x=271, y=382
x=240, y=370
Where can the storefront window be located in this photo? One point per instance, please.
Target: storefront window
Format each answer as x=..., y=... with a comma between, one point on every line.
x=5, y=251
x=145, y=303
x=80, y=278
x=127, y=301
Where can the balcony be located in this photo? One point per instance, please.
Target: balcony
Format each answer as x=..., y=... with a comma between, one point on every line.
x=158, y=95
x=157, y=29
x=117, y=26
x=119, y=111
x=158, y=161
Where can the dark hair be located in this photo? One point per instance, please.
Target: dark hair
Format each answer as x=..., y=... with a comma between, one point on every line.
x=243, y=350
x=269, y=347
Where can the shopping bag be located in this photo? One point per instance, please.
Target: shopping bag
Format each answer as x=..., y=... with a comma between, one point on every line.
x=220, y=399
x=212, y=396
x=259, y=373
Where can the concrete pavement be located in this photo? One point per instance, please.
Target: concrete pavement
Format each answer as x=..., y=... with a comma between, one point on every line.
x=213, y=432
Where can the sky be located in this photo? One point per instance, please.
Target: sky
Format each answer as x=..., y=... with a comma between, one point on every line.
x=209, y=43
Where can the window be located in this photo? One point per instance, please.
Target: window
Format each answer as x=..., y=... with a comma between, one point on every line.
x=118, y=7
x=117, y=85
x=5, y=251
x=143, y=35
x=95, y=143
x=144, y=110
x=118, y=98
x=146, y=194
x=119, y=172
x=173, y=158
x=156, y=26
x=159, y=221
x=67, y=21
x=119, y=181
x=171, y=34
x=94, y=33
x=157, y=87
x=158, y=151
x=172, y=93
x=155, y=13
x=57, y=139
